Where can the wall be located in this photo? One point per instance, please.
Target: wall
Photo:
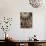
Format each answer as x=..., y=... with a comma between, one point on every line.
x=12, y=8
x=45, y=28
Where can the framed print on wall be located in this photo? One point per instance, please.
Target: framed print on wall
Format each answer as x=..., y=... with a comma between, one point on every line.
x=26, y=19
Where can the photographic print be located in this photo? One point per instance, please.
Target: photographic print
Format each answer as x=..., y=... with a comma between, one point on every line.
x=26, y=19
